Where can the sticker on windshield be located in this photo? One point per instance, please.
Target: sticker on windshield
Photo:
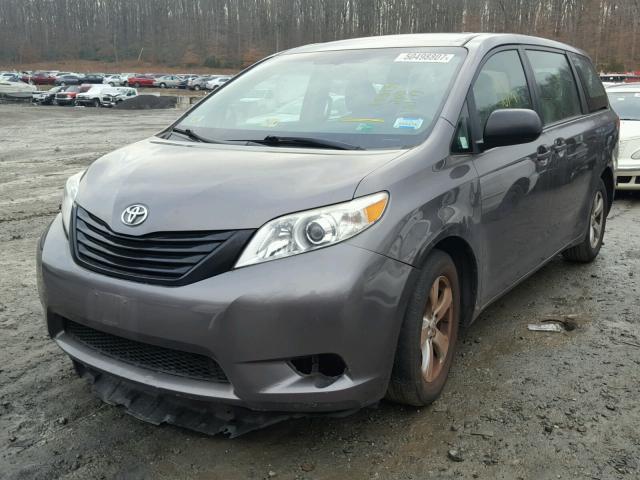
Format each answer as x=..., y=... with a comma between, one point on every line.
x=408, y=123
x=425, y=57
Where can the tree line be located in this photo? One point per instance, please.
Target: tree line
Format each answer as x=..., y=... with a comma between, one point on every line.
x=234, y=33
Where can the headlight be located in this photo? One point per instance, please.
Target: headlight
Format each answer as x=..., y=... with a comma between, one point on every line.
x=636, y=155
x=305, y=231
x=68, y=197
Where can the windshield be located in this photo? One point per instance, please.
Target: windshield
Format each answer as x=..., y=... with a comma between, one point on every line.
x=372, y=99
x=626, y=104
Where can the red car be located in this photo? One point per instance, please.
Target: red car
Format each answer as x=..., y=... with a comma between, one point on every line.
x=141, y=81
x=67, y=96
x=40, y=78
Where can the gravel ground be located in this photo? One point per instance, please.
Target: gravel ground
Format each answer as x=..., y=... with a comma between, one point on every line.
x=518, y=405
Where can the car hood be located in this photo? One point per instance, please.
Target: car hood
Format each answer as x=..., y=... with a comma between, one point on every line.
x=194, y=186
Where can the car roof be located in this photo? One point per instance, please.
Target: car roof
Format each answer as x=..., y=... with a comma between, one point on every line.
x=469, y=40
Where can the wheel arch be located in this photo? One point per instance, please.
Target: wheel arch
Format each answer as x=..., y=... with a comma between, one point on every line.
x=466, y=263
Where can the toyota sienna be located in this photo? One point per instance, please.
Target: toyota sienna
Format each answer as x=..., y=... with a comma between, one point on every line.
x=313, y=235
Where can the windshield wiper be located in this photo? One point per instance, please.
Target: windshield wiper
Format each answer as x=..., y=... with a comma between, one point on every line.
x=273, y=140
x=192, y=135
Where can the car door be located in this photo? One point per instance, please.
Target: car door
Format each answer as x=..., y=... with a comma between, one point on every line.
x=513, y=180
x=568, y=141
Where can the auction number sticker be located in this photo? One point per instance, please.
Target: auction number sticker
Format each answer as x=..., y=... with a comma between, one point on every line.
x=425, y=57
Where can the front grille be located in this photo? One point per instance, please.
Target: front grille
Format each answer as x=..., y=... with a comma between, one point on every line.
x=150, y=357
x=169, y=258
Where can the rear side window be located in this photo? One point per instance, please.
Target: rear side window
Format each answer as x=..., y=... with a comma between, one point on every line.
x=591, y=84
x=501, y=84
x=557, y=88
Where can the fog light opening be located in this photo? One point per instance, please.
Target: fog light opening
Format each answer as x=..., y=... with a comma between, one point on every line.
x=325, y=364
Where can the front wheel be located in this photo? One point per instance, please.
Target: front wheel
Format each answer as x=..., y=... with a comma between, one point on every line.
x=589, y=248
x=137, y=84
x=428, y=335
x=197, y=87
x=96, y=103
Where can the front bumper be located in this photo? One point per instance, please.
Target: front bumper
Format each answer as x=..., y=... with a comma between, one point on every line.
x=342, y=300
x=628, y=175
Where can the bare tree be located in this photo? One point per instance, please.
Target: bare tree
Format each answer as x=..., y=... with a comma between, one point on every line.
x=233, y=33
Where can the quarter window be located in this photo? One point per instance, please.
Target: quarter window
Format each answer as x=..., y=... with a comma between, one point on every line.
x=591, y=84
x=501, y=84
x=556, y=86
x=462, y=139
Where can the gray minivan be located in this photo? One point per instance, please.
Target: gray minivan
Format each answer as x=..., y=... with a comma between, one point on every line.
x=312, y=236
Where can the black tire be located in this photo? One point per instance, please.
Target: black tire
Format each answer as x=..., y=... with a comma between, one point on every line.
x=163, y=85
x=197, y=87
x=111, y=84
x=137, y=84
x=96, y=103
x=408, y=384
x=589, y=248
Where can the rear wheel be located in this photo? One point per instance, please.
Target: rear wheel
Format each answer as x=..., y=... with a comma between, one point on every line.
x=197, y=87
x=137, y=84
x=589, y=248
x=428, y=335
x=163, y=85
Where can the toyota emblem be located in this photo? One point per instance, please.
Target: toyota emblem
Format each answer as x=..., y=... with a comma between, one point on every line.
x=134, y=215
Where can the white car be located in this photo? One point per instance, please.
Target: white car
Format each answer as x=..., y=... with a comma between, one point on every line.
x=216, y=82
x=114, y=95
x=92, y=96
x=114, y=80
x=625, y=100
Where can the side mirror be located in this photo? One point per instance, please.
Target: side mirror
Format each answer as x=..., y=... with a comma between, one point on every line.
x=512, y=126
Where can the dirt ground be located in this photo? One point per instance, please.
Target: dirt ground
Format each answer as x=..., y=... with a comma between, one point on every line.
x=518, y=405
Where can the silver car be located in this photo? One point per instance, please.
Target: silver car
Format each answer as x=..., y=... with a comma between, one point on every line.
x=167, y=81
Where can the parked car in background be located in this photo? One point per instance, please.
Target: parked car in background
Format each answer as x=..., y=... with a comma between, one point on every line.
x=126, y=76
x=625, y=100
x=46, y=97
x=62, y=74
x=67, y=95
x=92, y=96
x=93, y=78
x=141, y=81
x=72, y=79
x=115, y=80
x=40, y=78
x=216, y=82
x=114, y=95
x=344, y=254
x=167, y=81
x=198, y=83
x=11, y=77
x=184, y=80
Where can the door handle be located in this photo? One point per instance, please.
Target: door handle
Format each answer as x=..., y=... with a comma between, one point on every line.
x=560, y=144
x=543, y=155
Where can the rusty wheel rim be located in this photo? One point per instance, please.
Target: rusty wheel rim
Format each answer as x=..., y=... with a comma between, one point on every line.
x=437, y=328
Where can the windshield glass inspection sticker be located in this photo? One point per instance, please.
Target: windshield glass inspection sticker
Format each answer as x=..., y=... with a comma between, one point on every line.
x=408, y=123
x=425, y=57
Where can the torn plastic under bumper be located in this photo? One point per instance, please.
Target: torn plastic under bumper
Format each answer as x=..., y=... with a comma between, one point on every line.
x=156, y=407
